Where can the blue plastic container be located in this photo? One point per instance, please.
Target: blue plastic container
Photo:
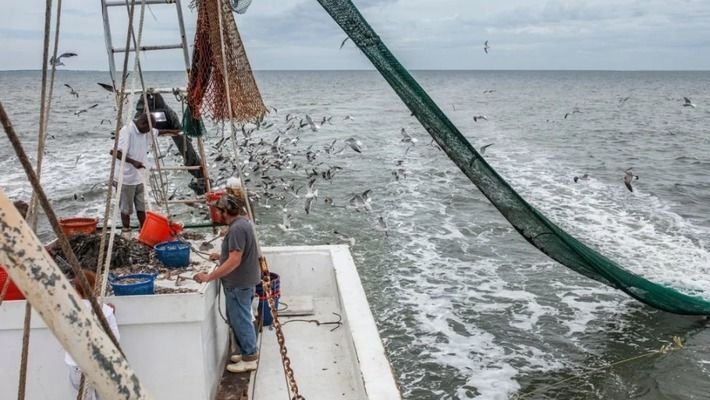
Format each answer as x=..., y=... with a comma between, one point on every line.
x=263, y=302
x=144, y=285
x=174, y=254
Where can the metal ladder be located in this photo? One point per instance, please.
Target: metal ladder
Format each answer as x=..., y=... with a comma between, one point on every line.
x=112, y=51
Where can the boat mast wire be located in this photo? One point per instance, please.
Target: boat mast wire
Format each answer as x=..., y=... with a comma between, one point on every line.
x=117, y=130
x=45, y=102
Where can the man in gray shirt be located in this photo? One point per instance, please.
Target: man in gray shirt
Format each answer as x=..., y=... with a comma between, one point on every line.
x=239, y=272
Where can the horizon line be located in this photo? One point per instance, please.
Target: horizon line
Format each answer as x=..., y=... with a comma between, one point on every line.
x=413, y=69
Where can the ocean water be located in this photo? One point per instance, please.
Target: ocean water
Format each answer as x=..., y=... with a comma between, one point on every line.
x=467, y=308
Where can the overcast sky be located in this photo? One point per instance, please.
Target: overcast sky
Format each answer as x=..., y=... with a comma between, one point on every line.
x=423, y=34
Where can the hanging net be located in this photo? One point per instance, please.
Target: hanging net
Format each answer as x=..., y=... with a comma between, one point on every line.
x=207, y=91
x=529, y=222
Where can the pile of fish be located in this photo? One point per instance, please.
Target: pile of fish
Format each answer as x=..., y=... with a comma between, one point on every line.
x=86, y=248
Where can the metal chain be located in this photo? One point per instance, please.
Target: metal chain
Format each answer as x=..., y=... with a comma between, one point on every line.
x=285, y=360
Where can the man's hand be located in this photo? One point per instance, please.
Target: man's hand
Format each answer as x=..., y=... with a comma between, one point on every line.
x=138, y=164
x=214, y=257
x=201, y=277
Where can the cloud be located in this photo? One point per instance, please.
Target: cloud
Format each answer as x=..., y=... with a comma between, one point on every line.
x=426, y=34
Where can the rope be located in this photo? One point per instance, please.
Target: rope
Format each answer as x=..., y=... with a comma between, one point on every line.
x=22, y=384
x=130, y=35
x=3, y=291
x=663, y=350
x=109, y=189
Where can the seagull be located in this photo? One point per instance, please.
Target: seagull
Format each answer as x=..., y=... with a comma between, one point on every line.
x=313, y=125
x=311, y=195
x=354, y=144
x=349, y=117
x=574, y=111
x=488, y=91
x=477, y=117
x=486, y=47
x=482, y=150
x=343, y=42
x=584, y=178
x=345, y=238
x=688, y=103
x=623, y=100
x=382, y=225
x=58, y=61
x=106, y=86
x=286, y=225
x=83, y=110
x=362, y=201
x=72, y=91
x=407, y=138
x=628, y=178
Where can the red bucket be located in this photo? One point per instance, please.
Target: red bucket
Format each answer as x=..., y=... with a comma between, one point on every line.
x=13, y=292
x=212, y=198
x=157, y=229
x=78, y=226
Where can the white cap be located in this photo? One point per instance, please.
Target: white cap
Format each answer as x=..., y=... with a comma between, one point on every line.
x=234, y=183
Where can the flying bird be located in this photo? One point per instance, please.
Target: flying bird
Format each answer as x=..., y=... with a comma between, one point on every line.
x=574, y=111
x=583, y=178
x=477, y=117
x=72, y=91
x=628, y=178
x=362, y=201
x=343, y=42
x=106, y=86
x=313, y=125
x=58, y=61
x=382, y=225
x=311, y=195
x=407, y=138
x=486, y=47
x=688, y=103
x=354, y=144
x=83, y=110
x=482, y=150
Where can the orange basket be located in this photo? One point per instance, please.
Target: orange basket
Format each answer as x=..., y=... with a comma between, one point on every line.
x=157, y=229
x=78, y=226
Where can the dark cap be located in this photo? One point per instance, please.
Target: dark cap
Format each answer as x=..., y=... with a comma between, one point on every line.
x=231, y=204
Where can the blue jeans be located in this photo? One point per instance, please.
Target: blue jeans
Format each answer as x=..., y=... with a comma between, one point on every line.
x=238, y=303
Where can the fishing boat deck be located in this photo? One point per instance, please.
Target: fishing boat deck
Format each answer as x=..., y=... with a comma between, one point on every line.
x=178, y=344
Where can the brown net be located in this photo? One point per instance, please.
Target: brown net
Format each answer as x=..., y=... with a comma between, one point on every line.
x=207, y=92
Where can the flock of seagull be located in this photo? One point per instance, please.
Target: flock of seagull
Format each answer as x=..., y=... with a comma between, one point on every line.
x=274, y=163
x=263, y=157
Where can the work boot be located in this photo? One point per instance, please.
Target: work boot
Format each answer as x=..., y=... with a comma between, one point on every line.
x=244, y=363
x=238, y=357
x=126, y=234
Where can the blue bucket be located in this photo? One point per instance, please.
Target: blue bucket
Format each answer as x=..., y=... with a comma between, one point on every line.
x=174, y=254
x=263, y=302
x=144, y=284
